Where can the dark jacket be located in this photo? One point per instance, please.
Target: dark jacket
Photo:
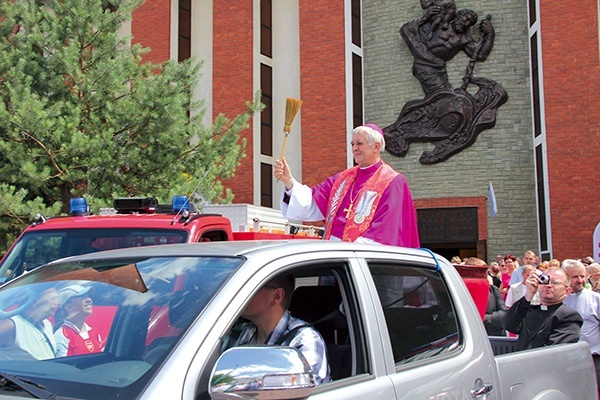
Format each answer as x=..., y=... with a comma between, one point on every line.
x=539, y=326
x=494, y=313
x=496, y=281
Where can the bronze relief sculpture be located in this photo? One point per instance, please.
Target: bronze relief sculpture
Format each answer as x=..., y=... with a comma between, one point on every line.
x=451, y=118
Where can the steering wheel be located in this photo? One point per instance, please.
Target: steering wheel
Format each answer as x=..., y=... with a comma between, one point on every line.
x=28, y=297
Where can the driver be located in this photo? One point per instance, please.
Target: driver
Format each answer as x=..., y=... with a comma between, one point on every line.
x=29, y=335
x=271, y=324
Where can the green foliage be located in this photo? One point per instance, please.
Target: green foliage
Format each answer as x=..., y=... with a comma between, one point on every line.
x=82, y=114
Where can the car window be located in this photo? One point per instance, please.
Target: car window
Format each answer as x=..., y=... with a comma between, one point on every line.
x=418, y=311
x=99, y=329
x=30, y=252
x=40, y=247
x=325, y=298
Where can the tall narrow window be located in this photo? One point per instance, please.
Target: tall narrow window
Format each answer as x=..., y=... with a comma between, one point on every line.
x=266, y=34
x=539, y=132
x=535, y=87
x=532, y=12
x=357, y=90
x=266, y=185
x=541, y=198
x=357, y=63
x=356, y=23
x=185, y=30
x=266, y=116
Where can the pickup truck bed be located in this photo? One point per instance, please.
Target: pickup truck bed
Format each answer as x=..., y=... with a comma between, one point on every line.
x=563, y=364
x=503, y=344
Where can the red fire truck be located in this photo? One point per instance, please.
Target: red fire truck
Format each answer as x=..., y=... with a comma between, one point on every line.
x=134, y=222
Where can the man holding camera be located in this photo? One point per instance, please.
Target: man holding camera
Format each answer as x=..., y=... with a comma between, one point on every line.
x=548, y=323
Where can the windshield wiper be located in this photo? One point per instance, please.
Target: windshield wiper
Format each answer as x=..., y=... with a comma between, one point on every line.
x=34, y=389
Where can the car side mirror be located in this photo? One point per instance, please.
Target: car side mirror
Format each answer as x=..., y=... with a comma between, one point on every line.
x=258, y=372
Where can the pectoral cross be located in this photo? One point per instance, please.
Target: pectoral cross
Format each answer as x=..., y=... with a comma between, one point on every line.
x=348, y=210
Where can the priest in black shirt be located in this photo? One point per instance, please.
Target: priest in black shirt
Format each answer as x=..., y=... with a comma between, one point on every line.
x=546, y=324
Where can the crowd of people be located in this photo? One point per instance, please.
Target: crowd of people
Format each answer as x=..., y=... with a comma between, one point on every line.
x=543, y=303
x=507, y=271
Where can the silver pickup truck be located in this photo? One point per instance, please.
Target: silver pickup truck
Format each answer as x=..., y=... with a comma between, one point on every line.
x=398, y=323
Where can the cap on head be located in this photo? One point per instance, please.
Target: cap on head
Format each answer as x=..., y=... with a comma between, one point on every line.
x=68, y=292
x=375, y=127
x=374, y=133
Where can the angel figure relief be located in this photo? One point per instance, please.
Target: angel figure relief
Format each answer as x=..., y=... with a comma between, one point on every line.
x=450, y=118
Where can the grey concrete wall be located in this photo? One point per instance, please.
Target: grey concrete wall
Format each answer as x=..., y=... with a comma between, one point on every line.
x=503, y=155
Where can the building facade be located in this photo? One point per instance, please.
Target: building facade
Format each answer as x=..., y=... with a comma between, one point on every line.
x=347, y=62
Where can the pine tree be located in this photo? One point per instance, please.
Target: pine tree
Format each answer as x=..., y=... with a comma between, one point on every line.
x=81, y=114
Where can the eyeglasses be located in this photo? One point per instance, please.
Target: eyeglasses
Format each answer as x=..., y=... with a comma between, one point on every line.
x=557, y=283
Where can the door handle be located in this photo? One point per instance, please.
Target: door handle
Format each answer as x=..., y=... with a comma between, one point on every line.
x=481, y=388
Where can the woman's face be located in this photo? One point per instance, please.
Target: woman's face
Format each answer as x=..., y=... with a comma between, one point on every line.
x=594, y=274
x=509, y=265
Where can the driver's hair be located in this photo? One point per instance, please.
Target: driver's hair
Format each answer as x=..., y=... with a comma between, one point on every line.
x=287, y=283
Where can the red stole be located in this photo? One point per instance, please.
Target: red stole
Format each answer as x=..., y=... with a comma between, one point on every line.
x=377, y=183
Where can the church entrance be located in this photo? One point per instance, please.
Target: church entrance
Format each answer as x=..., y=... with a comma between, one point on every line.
x=451, y=231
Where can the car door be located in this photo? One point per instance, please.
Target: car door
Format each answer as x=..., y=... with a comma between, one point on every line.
x=367, y=374
x=438, y=351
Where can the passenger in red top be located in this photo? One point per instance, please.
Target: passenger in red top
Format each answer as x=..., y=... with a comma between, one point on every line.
x=75, y=336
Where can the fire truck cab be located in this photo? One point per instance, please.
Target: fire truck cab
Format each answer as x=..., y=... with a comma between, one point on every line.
x=132, y=222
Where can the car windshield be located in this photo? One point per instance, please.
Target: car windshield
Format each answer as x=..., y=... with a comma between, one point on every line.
x=100, y=329
x=40, y=247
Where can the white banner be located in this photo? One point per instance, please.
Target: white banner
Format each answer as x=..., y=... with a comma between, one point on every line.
x=597, y=243
x=492, y=198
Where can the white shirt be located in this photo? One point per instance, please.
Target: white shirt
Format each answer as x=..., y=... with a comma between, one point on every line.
x=517, y=276
x=587, y=303
x=31, y=342
x=301, y=206
x=516, y=291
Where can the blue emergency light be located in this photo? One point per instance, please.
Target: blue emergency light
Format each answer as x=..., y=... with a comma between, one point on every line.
x=180, y=204
x=78, y=206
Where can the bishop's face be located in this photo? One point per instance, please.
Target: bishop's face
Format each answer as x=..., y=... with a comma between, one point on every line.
x=364, y=153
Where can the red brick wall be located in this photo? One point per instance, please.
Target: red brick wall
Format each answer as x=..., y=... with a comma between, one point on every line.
x=447, y=202
x=323, y=78
x=232, y=79
x=151, y=27
x=572, y=104
x=323, y=89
